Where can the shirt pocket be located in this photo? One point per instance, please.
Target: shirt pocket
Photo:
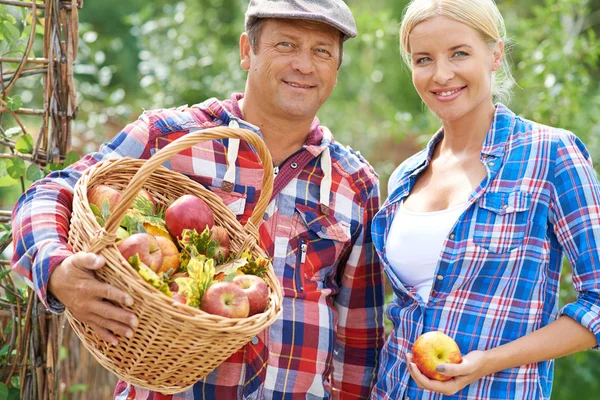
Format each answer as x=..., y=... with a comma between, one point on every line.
x=502, y=220
x=319, y=242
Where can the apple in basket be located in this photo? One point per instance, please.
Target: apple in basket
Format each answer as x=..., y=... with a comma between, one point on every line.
x=98, y=194
x=146, y=246
x=227, y=299
x=188, y=212
x=220, y=235
x=170, y=255
x=257, y=291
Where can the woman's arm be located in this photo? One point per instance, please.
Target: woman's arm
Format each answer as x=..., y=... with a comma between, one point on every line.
x=560, y=338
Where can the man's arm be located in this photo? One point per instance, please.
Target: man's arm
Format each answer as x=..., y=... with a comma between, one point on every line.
x=360, y=331
x=40, y=226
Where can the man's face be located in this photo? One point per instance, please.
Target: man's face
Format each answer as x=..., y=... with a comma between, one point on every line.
x=295, y=67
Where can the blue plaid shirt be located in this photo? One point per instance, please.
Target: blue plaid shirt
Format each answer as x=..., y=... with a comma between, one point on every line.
x=499, y=271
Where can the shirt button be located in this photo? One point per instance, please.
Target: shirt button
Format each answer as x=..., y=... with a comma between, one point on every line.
x=324, y=229
x=504, y=207
x=440, y=277
x=294, y=165
x=254, y=340
x=452, y=236
x=491, y=164
x=266, y=216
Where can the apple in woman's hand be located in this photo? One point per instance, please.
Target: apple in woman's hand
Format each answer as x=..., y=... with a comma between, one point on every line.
x=433, y=348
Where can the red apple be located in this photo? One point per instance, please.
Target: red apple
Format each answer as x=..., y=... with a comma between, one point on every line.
x=145, y=194
x=227, y=299
x=98, y=194
x=170, y=254
x=257, y=291
x=221, y=236
x=145, y=246
x=433, y=348
x=179, y=298
x=188, y=212
x=173, y=286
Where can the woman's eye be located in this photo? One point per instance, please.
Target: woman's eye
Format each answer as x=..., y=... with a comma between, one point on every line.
x=460, y=54
x=423, y=60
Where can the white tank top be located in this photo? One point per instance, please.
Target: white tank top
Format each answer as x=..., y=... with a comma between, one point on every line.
x=414, y=245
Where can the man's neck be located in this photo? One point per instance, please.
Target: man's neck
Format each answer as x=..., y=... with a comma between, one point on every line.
x=283, y=136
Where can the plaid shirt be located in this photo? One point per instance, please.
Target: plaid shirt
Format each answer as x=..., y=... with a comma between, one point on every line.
x=498, y=274
x=328, y=339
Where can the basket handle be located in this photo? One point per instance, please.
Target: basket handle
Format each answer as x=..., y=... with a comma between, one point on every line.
x=187, y=141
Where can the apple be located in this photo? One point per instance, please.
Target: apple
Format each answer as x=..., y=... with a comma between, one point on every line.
x=257, y=291
x=170, y=254
x=221, y=236
x=188, y=212
x=146, y=246
x=145, y=194
x=179, y=298
x=98, y=194
x=433, y=348
x=227, y=299
x=173, y=286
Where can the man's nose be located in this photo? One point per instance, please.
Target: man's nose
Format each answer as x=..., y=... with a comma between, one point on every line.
x=303, y=62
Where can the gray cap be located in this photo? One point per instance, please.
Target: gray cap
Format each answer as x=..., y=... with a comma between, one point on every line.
x=331, y=12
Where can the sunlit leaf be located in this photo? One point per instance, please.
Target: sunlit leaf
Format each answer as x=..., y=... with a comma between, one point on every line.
x=13, y=103
x=34, y=173
x=71, y=157
x=24, y=144
x=15, y=167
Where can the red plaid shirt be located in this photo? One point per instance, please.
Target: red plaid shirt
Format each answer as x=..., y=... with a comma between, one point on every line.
x=328, y=339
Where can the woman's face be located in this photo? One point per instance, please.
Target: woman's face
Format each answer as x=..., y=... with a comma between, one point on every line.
x=452, y=68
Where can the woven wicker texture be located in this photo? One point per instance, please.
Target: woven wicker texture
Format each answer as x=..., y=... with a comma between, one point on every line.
x=174, y=345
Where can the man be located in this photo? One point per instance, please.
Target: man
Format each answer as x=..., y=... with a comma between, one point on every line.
x=317, y=227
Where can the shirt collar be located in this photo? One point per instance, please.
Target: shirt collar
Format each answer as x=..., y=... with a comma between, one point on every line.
x=231, y=108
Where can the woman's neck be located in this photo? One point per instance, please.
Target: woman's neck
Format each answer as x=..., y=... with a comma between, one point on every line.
x=465, y=136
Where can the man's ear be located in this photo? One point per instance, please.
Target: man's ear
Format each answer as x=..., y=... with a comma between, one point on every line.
x=245, y=49
x=498, y=54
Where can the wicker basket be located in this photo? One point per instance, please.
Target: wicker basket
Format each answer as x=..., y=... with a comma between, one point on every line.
x=174, y=345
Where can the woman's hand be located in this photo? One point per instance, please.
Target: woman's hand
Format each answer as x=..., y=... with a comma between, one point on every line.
x=469, y=370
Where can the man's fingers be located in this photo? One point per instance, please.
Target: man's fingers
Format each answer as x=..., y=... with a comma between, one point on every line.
x=109, y=292
x=88, y=260
x=111, y=326
x=106, y=310
x=104, y=334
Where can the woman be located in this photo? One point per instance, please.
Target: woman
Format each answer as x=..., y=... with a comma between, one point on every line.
x=475, y=227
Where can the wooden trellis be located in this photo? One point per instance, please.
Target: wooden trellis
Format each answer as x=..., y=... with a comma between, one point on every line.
x=33, y=335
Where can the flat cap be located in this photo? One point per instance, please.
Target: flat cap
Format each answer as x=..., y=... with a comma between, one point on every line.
x=331, y=12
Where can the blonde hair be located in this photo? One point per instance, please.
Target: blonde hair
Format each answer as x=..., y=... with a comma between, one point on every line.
x=481, y=15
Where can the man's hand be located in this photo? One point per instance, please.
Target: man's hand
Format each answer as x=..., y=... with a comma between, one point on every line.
x=469, y=370
x=74, y=283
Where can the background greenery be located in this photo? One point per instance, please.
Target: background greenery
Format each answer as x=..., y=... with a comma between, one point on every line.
x=138, y=55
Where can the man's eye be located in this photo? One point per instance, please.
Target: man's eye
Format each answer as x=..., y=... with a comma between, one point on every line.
x=323, y=52
x=285, y=44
